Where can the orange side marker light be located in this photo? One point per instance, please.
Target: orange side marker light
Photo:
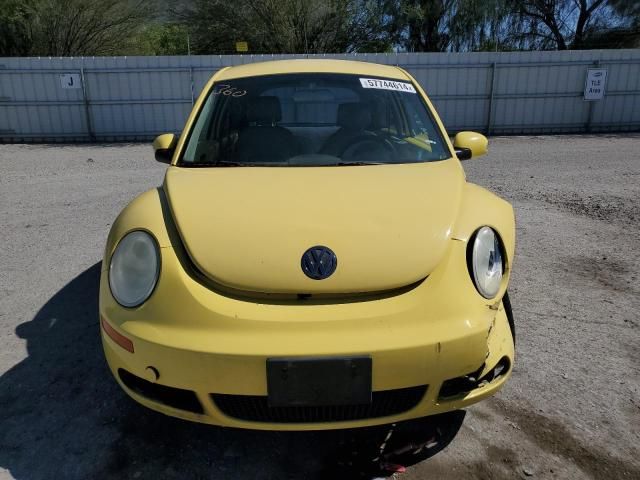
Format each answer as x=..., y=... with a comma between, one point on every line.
x=117, y=337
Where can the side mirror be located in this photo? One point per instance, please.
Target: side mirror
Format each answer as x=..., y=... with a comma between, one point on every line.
x=164, y=146
x=469, y=145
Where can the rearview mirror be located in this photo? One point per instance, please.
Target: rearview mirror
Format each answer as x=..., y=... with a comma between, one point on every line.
x=469, y=145
x=164, y=146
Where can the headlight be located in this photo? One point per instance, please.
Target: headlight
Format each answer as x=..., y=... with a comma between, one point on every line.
x=486, y=262
x=134, y=269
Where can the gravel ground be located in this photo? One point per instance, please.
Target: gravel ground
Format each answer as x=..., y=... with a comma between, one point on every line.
x=571, y=409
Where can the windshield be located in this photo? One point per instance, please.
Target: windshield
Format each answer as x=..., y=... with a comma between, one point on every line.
x=313, y=119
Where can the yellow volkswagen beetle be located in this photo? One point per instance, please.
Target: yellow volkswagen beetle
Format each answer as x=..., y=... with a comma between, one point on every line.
x=314, y=258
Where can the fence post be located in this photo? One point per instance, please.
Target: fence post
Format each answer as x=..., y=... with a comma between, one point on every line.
x=494, y=72
x=191, y=82
x=590, y=108
x=87, y=113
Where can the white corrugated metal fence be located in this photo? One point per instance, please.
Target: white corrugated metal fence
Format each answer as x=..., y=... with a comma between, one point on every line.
x=136, y=98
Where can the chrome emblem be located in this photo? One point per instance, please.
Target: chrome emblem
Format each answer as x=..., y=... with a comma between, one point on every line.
x=319, y=262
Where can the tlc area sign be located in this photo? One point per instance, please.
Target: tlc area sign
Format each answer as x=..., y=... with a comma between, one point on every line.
x=594, y=84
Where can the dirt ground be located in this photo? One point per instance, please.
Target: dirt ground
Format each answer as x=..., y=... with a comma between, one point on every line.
x=571, y=409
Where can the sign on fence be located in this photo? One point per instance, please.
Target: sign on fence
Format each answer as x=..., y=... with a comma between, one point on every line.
x=594, y=85
x=70, y=80
x=242, y=47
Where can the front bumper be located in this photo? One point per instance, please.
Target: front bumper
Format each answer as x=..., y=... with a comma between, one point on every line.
x=193, y=339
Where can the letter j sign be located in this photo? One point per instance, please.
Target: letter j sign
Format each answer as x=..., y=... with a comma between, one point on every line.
x=70, y=80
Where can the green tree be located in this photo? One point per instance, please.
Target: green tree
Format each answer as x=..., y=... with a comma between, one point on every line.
x=85, y=27
x=164, y=27
x=565, y=24
x=70, y=27
x=161, y=38
x=15, y=32
x=420, y=25
x=476, y=25
x=285, y=26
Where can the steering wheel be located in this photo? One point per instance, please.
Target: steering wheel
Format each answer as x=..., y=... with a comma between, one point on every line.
x=368, y=147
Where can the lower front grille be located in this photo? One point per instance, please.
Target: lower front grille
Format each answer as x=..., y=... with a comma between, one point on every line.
x=170, y=396
x=256, y=409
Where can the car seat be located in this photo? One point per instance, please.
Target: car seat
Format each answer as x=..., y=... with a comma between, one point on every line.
x=262, y=140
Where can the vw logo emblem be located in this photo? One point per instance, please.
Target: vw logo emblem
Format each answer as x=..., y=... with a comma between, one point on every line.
x=319, y=262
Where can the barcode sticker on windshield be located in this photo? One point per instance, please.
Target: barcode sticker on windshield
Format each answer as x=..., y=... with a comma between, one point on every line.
x=387, y=85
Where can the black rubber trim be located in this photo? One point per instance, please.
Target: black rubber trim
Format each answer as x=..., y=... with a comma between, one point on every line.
x=507, y=308
x=170, y=396
x=460, y=386
x=463, y=153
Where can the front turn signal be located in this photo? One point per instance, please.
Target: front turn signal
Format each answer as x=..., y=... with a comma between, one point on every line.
x=116, y=336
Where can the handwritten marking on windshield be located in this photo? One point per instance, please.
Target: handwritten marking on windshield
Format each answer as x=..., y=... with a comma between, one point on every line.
x=228, y=90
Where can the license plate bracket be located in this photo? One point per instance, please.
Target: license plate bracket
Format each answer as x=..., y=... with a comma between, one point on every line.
x=319, y=381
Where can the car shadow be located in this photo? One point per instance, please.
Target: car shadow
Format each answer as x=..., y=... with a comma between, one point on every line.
x=62, y=415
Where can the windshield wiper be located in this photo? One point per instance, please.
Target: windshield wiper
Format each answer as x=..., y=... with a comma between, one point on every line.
x=348, y=164
x=228, y=163
x=231, y=163
x=222, y=163
x=211, y=164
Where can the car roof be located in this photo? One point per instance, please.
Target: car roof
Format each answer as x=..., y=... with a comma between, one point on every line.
x=303, y=65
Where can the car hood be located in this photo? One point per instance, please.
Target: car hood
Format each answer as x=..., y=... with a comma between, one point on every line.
x=248, y=227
